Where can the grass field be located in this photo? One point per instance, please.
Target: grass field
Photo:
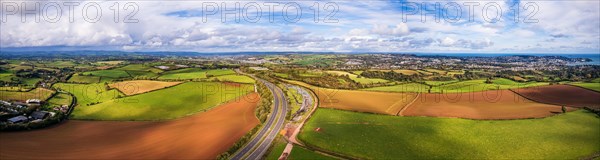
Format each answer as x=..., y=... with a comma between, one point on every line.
x=278, y=146
x=300, y=153
x=408, y=87
x=84, y=79
x=356, y=79
x=140, y=86
x=219, y=72
x=191, y=97
x=480, y=85
x=87, y=94
x=38, y=93
x=234, y=78
x=107, y=73
x=437, y=83
x=60, y=99
x=367, y=136
x=188, y=73
x=592, y=86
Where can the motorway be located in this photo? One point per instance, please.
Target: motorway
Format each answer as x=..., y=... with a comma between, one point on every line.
x=256, y=148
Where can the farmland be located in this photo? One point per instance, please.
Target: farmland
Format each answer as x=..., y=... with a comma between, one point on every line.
x=188, y=73
x=234, y=78
x=407, y=87
x=38, y=93
x=500, y=104
x=201, y=136
x=358, y=79
x=192, y=97
x=593, y=86
x=370, y=136
x=566, y=95
x=140, y=86
x=76, y=78
x=107, y=73
x=362, y=101
x=89, y=94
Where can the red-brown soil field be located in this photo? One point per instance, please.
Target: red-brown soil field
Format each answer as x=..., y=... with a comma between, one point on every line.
x=201, y=136
x=564, y=95
x=497, y=104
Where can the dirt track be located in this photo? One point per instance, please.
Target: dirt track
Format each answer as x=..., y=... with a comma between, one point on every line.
x=201, y=136
x=500, y=104
x=562, y=95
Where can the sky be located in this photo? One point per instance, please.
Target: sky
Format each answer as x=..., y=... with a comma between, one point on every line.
x=463, y=26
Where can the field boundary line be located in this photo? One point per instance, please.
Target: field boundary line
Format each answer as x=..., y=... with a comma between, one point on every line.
x=408, y=105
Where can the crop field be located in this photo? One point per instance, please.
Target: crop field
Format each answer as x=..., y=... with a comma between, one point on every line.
x=191, y=97
x=235, y=78
x=408, y=87
x=592, y=86
x=368, y=136
x=188, y=73
x=88, y=94
x=406, y=72
x=141, y=70
x=303, y=153
x=109, y=62
x=362, y=101
x=480, y=85
x=201, y=136
x=140, y=86
x=60, y=99
x=356, y=79
x=38, y=93
x=565, y=95
x=219, y=72
x=499, y=104
x=84, y=79
x=107, y=73
x=437, y=83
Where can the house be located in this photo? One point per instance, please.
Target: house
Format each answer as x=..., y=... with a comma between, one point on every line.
x=40, y=114
x=33, y=101
x=17, y=119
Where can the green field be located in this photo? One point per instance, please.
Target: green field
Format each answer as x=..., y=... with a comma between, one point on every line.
x=87, y=94
x=140, y=68
x=234, y=78
x=278, y=146
x=299, y=153
x=60, y=99
x=408, y=87
x=190, y=98
x=188, y=73
x=437, y=83
x=107, y=73
x=219, y=72
x=592, y=86
x=38, y=93
x=76, y=78
x=480, y=85
x=367, y=136
x=356, y=79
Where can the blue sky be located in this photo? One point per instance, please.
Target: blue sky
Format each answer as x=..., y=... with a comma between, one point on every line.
x=351, y=26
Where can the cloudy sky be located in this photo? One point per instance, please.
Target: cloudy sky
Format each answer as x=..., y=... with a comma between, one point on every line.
x=321, y=26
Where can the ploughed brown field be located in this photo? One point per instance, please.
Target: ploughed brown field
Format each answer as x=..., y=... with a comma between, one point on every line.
x=496, y=104
x=362, y=101
x=564, y=95
x=201, y=136
x=140, y=86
